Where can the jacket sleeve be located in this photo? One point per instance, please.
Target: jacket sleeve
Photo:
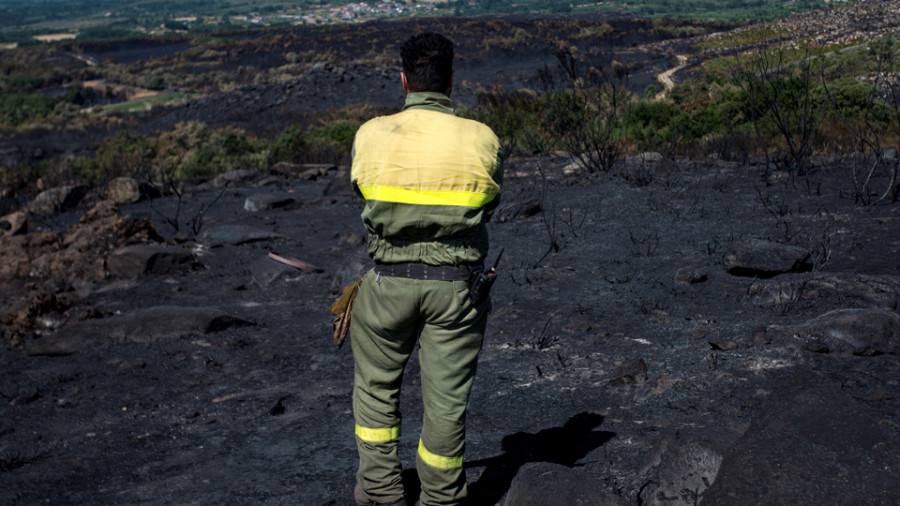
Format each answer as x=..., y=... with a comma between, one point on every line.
x=498, y=178
x=353, y=179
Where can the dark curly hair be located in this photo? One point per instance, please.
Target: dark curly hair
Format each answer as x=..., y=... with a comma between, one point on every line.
x=427, y=62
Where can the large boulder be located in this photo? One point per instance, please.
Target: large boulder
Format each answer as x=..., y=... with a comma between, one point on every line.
x=236, y=235
x=235, y=177
x=812, y=444
x=140, y=259
x=874, y=291
x=126, y=190
x=56, y=200
x=860, y=331
x=764, y=259
x=263, y=201
x=141, y=326
x=76, y=254
x=543, y=483
x=684, y=463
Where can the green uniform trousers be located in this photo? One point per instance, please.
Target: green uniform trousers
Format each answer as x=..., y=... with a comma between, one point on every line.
x=389, y=314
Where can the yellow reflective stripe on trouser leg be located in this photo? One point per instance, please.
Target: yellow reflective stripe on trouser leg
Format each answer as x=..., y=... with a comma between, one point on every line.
x=378, y=435
x=439, y=461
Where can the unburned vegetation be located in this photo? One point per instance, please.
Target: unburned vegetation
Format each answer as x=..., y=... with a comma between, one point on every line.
x=590, y=94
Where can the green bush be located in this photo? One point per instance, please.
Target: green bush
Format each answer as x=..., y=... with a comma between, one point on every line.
x=222, y=152
x=126, y=154
x=852, y=99
x=328, y=143
x=291, y=145
x=341, y=132
x=19, y=108
x=517, y=118
x=81, y=169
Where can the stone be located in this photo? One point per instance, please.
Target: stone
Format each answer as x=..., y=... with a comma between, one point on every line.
x=127, y=190
x=543, y=483
x=266, y=271
x=56, y=200
x=240, y=176
x=812, y=444
x=353, y=268
x=141, y=326
x=265, y=201
x=235, y=235
x=653, y=387
x=760, y=337
x=632, y=371
x=860, y=331
x=684, y=463
x=14, y=224
x=724, y=345
x=764, y=259
x=308, y=171
x=340, y=184
x=872, y=291
x=518, y=209
x=690, y=276
x=647, y=157
x=23, y=314
x=140, y=259
x=578, y=325
x=573, y=167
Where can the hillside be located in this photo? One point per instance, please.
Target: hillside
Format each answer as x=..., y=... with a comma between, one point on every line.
x=61, y=100
x=27, y=21
x=837, y=30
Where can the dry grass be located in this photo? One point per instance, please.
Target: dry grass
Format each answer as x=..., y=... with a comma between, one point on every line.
x=130, y=92
x=55, y=37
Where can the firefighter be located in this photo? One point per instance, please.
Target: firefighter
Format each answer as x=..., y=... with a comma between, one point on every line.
x=430, y=181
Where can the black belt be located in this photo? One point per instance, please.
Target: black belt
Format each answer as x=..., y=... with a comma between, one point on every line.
x=415, y=270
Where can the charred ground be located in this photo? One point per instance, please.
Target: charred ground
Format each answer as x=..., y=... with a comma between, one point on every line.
x=619, y=348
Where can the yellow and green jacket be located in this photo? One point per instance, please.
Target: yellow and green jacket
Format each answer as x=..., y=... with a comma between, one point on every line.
x=430, y=181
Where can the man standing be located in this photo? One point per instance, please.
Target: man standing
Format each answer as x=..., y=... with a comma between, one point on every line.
x=430, y=181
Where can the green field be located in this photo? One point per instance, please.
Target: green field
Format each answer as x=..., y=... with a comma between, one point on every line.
x=144, y=103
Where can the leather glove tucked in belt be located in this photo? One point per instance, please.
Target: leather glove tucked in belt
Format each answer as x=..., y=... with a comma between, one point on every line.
x=341, y=309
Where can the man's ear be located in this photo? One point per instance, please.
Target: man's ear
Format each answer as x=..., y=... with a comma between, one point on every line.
x=405, y=84
x=450, y=86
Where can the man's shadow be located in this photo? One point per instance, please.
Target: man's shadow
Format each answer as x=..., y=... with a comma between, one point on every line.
x=564, y=445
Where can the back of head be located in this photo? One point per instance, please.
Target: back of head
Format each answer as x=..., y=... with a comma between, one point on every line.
x=428, y=62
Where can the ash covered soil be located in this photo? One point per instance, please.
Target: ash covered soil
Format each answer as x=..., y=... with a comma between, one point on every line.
x=714, y=335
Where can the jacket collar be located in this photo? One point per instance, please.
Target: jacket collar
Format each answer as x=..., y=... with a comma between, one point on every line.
x=429, y=100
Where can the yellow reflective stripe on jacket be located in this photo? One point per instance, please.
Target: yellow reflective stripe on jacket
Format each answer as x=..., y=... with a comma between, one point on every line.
x=439, y=461
x=426, y=150
x=378, y=435
x=425, y=197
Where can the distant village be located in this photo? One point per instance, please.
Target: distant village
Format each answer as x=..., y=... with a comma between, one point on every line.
x=352, y=12
x=355, y=11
